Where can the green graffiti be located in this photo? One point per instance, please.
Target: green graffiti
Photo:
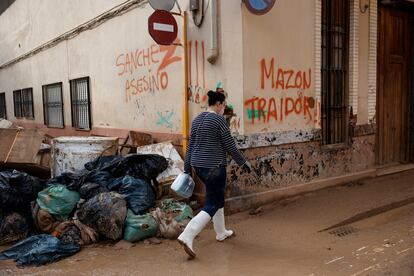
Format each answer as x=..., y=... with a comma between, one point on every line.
x=256, y=113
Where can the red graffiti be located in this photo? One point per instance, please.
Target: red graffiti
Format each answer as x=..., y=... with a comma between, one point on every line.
x=169, y=57
x=152, y=64
x=129, y=62
x=283, y=79
x=197, y=93
x=265, y=110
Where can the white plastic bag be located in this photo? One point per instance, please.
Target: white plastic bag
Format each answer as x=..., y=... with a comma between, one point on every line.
x=183, y=185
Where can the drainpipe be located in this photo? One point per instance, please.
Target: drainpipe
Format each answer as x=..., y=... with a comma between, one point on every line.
x=185, y=130
x=214, y=51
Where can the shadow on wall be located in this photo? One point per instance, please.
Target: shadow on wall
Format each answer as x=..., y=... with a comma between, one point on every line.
x=5, y=4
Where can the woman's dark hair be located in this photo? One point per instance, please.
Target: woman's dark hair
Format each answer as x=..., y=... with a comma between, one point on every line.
x=214, y=97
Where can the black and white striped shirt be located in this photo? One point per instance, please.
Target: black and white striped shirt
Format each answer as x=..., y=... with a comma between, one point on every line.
x=210, y=141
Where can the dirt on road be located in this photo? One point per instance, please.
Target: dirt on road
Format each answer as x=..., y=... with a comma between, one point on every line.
x=283, y=238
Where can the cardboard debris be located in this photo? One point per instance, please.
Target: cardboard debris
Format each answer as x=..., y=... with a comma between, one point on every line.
x=20, y=150
x=20, y=145
x=166, y=149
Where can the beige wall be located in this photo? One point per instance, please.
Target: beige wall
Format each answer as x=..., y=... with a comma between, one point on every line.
x=279, y=68
x=135, y=84
x=363, y=68
x=29, y=23
x=266, y=64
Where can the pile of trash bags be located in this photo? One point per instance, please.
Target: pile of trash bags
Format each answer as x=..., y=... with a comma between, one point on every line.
x=113, y=198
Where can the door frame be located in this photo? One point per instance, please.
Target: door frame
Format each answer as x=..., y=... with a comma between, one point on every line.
x=406, y=7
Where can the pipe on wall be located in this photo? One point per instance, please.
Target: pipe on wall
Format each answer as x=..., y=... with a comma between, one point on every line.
x=214, y=51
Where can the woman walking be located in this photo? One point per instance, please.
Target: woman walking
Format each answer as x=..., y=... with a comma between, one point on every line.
x=210, y=141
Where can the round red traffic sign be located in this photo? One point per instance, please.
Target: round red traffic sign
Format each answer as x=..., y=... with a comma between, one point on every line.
x=162, y=27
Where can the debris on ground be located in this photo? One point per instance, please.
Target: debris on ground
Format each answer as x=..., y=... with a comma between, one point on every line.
x=13, y=227
x=113, y=197
x=58, y=201
x=5, y=123
x=39, y=250
x=256, y=211
x=139, y=227
x=105, y=213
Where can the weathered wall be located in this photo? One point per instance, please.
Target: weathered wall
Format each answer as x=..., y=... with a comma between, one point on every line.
x=29, y=23
x=278, y=68
x=135, y=84
x=292, y=164
x=266, y=65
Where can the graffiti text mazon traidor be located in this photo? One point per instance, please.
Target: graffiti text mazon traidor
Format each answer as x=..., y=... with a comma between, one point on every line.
x=144, y=70
x=277, y=108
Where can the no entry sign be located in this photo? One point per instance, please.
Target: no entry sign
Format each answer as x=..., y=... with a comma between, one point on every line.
x=162, y=27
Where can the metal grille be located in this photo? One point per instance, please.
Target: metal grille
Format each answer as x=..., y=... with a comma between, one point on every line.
x=17, y=99
x=335, y=14
x=343, y=231
x=27, y=103
x=80, y=103
x=53, y=105
x=3, y=111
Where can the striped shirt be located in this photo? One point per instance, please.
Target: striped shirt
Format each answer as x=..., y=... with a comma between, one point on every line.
x=210, y=141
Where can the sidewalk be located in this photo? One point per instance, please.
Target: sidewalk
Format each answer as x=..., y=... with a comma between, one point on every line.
x=282, y=239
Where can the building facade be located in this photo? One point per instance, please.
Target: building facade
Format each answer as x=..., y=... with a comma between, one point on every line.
x=320, y=89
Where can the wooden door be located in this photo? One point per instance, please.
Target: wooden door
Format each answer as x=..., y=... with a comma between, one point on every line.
x=393, y=72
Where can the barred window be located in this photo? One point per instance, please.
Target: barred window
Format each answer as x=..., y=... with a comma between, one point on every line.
x=335, y=40
x=80, y=102
x=27, y=103
x=17, y=99
x=3, y=110
x=23, y=103
x=53, y=105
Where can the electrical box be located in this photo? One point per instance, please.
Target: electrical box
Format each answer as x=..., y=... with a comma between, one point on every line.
x=194, y=5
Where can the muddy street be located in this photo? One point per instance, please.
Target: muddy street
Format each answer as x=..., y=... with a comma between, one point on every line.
x=283, y=238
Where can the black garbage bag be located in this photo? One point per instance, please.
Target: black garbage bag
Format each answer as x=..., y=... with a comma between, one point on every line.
x=138, y=194
x=115, y=184
x=17, y=190
x=104, y=163
x=13, y=227
x=143, y=166
x=71, y=235
x=103, y=178
x=39, y=250
x=73, y=181
x=105, y=213
x=89, y=190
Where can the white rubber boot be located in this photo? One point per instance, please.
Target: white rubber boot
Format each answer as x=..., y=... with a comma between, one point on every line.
x=219, y=226
x=193, y=228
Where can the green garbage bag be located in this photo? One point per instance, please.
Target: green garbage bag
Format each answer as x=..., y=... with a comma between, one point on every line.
x=57, y=200
x=139, y=227
x=181, y=210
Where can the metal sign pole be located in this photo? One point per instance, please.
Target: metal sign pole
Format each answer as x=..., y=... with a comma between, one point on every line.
x=186, y=86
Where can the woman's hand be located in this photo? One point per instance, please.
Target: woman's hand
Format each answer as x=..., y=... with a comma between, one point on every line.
x=247, y=167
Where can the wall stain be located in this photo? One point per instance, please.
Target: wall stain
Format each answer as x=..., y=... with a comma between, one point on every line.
x=287, y=165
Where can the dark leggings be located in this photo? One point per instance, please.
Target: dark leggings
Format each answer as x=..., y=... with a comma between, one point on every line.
x=215, y=181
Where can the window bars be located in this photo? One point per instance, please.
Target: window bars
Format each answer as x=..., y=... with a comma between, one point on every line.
x=80, y=103
x=23, y=103
x=53, y=105
x=3, y=110
x=335, y=41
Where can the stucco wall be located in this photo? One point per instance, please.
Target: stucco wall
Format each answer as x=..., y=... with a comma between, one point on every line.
x=279, y=68
x=28, y=23
x=135, y=84
x=292, y=164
